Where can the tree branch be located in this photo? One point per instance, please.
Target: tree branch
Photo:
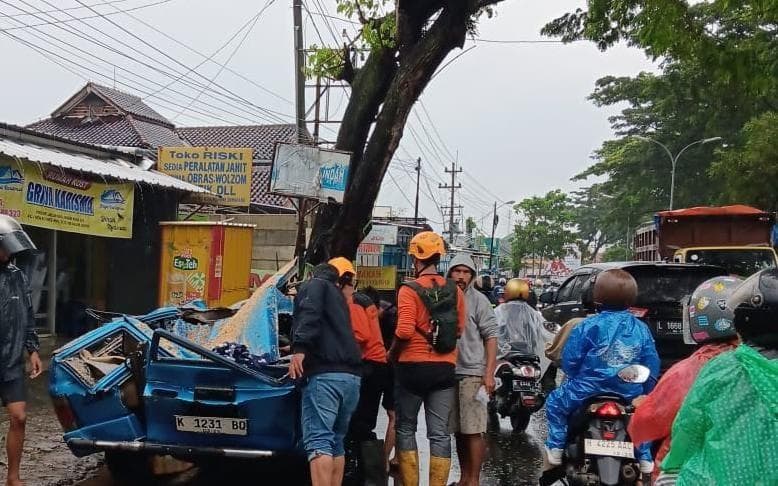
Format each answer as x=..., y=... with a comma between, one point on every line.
x=448, y=32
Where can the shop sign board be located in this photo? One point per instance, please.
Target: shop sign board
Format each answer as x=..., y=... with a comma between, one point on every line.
x=223, y=171
x=381, y=234
x=309, y=172
x=370, y=249
x=53, y=198
x=380, y=278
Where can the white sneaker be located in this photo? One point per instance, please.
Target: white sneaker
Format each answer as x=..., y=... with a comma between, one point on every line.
x=646, y=467
x=554, y=456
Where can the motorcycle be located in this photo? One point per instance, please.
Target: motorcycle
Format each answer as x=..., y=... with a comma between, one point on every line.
x=599, y=450
x=518, y=391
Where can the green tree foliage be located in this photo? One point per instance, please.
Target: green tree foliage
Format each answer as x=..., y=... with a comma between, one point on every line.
x=616, y=253
x=545, y=227
x=751, y=167
x=719, y=60
x=598, y=220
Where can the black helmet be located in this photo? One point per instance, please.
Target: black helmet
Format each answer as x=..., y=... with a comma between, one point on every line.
x=755, y=304
x=615, y=289
x=706, y=315
x=13, y=239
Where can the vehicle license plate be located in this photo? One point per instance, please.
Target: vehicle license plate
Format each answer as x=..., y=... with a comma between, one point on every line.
x=523, y=385
x=613, y=448
x=669, y=327
x=212, y=425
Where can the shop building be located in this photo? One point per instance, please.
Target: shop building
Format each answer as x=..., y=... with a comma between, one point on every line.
x=94, y=214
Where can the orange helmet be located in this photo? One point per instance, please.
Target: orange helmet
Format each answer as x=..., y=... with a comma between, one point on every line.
x=516, y=288
x=426, y=245
x=343, y=265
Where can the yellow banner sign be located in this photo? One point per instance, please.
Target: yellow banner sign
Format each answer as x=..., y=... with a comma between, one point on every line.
x=53, y=198
x=380, y=278
x=223, y=171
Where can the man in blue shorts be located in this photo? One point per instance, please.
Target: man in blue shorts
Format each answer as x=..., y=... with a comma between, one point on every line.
x=327, y=357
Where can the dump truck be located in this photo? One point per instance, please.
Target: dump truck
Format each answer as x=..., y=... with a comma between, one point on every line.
x=737, y=238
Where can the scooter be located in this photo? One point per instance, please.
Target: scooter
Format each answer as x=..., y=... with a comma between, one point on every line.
x=599, y=450
x=518, y=392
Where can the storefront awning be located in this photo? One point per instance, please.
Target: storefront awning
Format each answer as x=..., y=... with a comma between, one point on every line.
x=114, y=168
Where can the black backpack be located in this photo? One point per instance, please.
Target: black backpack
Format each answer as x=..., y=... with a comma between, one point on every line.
x=441, y=303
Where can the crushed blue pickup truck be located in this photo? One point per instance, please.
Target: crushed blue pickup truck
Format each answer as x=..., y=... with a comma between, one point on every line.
x=191, y=383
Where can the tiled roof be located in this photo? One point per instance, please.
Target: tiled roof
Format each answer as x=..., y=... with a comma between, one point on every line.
x=120, y=131
x=261, y=138
x=260, y=185
x=131, y=104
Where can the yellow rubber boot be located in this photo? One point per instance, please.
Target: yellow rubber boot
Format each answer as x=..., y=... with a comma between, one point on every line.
x=439, y=469
x=409, y=467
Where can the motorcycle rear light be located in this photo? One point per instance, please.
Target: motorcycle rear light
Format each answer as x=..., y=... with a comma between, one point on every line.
x=609, y=435
x=638, y=312
x=64, y=414
x=526, y=371
x=528, y=401
x=608, y=410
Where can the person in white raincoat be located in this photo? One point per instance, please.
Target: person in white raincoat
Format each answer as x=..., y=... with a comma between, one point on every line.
x=520, y=327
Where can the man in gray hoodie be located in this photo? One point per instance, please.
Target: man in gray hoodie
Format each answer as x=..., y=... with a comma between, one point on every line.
x=476, y=361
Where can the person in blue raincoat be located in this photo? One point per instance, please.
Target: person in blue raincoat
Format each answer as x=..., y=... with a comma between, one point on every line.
x=596, y=350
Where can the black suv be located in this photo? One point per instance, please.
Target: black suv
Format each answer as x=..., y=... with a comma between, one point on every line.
x=661, y=288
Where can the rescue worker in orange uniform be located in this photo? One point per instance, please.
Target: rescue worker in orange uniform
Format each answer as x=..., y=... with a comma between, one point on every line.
x=367, y=333
x=425, y=352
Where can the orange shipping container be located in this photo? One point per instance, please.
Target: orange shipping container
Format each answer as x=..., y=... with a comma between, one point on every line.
x=207, y=261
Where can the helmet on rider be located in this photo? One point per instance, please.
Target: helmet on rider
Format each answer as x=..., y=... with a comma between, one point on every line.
x=755, y=303
x=13, y=239
x=502, y=281
x=516, y=289
x=707, y=316
x=615, y=289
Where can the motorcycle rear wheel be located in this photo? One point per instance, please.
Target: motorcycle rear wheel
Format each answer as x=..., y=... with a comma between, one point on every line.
x=519, y=421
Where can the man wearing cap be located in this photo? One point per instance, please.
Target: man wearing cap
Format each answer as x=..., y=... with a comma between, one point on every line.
x=326, y=356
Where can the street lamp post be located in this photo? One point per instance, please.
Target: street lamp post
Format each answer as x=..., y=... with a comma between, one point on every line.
x=674, y=159
x=494, y=228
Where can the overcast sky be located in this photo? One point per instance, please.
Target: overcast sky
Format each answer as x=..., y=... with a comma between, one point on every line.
x=515, y=115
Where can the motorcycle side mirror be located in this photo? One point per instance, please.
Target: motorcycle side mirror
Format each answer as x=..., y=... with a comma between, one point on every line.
x=634, y=374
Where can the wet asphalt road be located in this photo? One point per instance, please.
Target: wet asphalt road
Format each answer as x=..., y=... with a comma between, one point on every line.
x=513, y=458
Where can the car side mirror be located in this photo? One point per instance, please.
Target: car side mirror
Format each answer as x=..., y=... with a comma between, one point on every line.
x=547, y=297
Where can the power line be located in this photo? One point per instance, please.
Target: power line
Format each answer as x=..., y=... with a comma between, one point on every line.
x=107, y=2
x=208, y=59
x=234, y=51
x=61, y=21
x=91, y=39
x=509, y=41
x=176, y=61
x=89, y=61
x=52, y=56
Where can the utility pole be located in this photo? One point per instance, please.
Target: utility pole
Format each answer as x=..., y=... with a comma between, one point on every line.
x=491, y=243
x=299, y=100
x=453, y=187
x=299, y=67
x=416, y=207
